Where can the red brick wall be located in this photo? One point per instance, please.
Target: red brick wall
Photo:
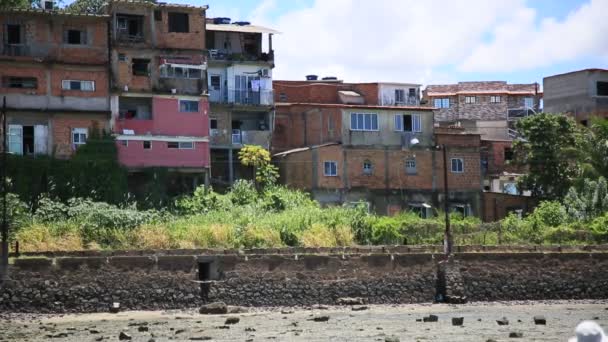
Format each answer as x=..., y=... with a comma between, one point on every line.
x=195, y=39
x=62, y=130
x=399, y=179
x=318, y=92
x=37, y=71
x=100, y=76
x=305, y=125
x=356, y=177
x=470, y=179
x=331, y=153
x=496, y=205
x=296, y=169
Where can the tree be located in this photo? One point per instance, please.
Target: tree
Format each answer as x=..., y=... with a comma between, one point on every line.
x=595, y=144
x=550, y=150
x=87, y=6
x=259, y=158
x=589, y=202
x=4, y=4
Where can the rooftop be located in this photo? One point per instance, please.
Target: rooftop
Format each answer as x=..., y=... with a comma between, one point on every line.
x=361, y=106
x=59, y=12
x=483, y=87
x=160, y=4
x=577, y=71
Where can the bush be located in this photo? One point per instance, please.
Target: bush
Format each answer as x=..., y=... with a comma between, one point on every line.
x=260, y=237
x=243, y=192
x=387, y=231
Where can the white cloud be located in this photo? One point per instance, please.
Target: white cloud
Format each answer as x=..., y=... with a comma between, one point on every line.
x=422, y=41
x=521, y=44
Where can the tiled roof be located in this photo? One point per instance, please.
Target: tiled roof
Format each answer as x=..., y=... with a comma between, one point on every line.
x=489, y=87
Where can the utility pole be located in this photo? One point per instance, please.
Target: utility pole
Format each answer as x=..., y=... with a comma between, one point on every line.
x=447, y=239
x=4, y=262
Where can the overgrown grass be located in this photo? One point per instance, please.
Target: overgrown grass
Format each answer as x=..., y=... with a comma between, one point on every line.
x=274, y=217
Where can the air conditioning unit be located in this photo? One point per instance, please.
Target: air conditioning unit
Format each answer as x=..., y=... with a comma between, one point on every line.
x=48, y=5
x=264, y=73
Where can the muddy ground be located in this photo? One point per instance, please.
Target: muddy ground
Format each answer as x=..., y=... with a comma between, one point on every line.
x=373, y=323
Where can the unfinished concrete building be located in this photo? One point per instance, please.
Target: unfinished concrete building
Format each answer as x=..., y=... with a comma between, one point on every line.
x=54, y=74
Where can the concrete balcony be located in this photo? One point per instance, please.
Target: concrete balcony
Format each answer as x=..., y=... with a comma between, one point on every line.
x=238, y=138
x=242, y=97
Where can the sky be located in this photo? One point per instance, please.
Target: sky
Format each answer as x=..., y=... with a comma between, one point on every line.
x=427, y=41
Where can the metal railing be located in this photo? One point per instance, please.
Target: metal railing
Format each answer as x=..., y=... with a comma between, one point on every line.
x=15, y=50
x=519, y=113
x=407, y=101
x=242, y=97
x=227, y=55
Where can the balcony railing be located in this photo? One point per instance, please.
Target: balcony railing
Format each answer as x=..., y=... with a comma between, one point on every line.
x=15, y=50
x=520, y=113
x=242, y=97
x=261, y=138
x=227, y=55
x=129, y=38
x=407, y=101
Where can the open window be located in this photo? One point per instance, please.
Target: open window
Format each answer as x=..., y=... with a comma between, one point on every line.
x=135, y=108
x=20, y=82
x=422, y=209
x=178, y=22
x=75, y=37
x=462, y=209
x=27, y=140
x=408, y=123
x=140, y=66
x=602, y=88
x=130, y=27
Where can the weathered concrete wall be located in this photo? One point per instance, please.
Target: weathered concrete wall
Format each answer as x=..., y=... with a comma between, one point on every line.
x=300, y=276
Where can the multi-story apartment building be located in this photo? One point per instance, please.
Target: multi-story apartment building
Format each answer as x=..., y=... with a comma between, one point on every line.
x=347, y=147
x=491, y=110
x=240, y=93
x=582, y=94
x=160, y=110
x=54, y=74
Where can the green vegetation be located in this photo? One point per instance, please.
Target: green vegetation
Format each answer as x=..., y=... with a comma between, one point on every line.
x=274, y=217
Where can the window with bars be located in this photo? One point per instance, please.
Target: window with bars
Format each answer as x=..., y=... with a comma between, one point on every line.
x=442, y=103
x=188, y=106
x=410, y=166
x=457, y=165
x=367, y=167
x=20, y=82
x=494, y=99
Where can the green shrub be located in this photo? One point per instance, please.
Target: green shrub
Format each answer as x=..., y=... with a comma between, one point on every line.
x=387, y=231
x=243, y=192
x=260, y=237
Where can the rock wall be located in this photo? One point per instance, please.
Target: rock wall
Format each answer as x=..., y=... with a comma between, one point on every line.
x=154, y=280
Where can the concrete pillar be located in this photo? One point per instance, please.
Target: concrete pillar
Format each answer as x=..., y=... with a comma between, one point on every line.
x=230, y=167
x=207, y=179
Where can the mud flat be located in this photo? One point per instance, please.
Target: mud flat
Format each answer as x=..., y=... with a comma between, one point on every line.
x=369, y=323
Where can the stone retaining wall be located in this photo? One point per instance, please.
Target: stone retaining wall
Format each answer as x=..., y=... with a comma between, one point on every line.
x=384, y=275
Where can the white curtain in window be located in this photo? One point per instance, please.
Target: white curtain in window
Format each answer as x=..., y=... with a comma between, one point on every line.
x=41, y=134
x=416, y=123
x=399, y=122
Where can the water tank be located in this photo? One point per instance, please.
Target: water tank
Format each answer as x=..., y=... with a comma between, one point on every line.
x=219, y=21
x=311, y=77
x=330, y=78
x=242, y=23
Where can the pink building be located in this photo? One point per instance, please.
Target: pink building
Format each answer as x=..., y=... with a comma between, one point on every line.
x=159, y=102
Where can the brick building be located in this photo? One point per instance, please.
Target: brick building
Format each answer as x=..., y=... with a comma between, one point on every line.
x=581, y=94
x=356, y=149
x=240, y=93
x=160, y=110
x=54, y=74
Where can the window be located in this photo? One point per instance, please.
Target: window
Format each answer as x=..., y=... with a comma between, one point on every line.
x=462, y=209
x=457, y=165
x=188, y=106
x=130, y=27
x=283, y=97
x=470, y=99
x=494, y=99
x=367, y=167
x=178, y=22
x=529, y=102
x=408, y=123
x=412, y=92
x=79, y=137
x=13, y=34
x=399, y=96
x=140, y=66
x=363, y=122
x=168, y=71
x=78, y=85
x=330, y=168
x=508, y=153
x=182, y=145
x=147, y=145
x=442, y=103
x=122, y=57
x=602, y=88
x=20, y=82
x=75, y=37
x=215, y=82
x=422, y=209
x=410, y=166
x=213, y=123
x=158, y=16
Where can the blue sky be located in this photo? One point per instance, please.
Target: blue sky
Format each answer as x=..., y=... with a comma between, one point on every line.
x=431, y=41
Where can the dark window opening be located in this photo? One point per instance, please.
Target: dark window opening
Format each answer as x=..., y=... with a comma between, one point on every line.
x=172, y=144
x=508, y=154
x=13, y=34
x=140, y=66
x=283, y=97
x=215, y=82
x=20, y=82
x=204, y=271
x=412, y=92
x=213, y=124
x=28, y=140
x=158, y=16
x=178, y=22
x=602, y=88
x=407, y=123
x=75, y=37
x=250, y=44
x=585, y=123
x=147, y=145
x=122, y=57
x=130, y=27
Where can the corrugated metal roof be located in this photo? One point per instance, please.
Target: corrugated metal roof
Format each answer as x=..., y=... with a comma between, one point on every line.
x=240, y=28
x=349, y=93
